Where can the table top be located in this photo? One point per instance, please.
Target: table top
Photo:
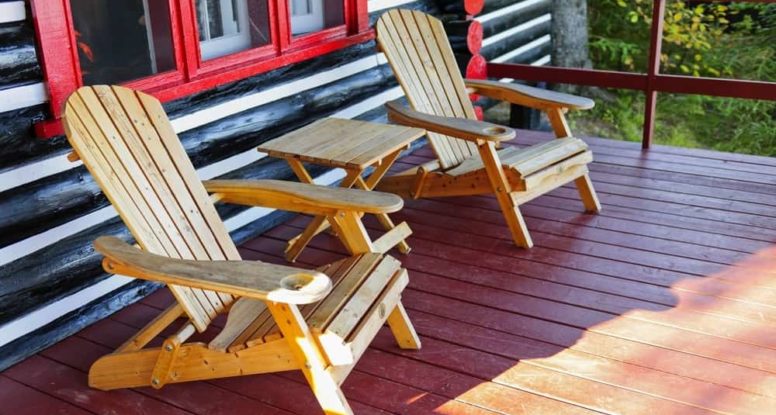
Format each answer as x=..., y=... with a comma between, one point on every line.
x=337, y=142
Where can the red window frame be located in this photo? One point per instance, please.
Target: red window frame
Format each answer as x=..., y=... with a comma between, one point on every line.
x=58, y=53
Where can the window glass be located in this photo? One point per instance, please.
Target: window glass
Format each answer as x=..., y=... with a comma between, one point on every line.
x=229, y=26
x=313, y=15
x=122, y=40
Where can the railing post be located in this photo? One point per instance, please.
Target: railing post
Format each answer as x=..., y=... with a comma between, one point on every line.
x=655, y=50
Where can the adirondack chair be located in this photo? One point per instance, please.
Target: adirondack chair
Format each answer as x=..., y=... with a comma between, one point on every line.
x=468, y=162
x=279, y=317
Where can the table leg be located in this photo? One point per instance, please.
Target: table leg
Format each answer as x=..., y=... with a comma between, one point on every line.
x=371, y=182
x=319, y=223
x=299, y=242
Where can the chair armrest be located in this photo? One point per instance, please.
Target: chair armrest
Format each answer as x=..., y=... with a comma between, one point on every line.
x=302, y=197
x=252, y=279
x=463, y=128
x=528, y=96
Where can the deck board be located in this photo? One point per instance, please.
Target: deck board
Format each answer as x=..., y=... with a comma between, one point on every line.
x=663, y=303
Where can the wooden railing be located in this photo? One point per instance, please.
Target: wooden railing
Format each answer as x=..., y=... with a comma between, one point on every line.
x=650, y=82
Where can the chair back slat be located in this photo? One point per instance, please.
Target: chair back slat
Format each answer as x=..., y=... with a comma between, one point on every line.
x=127, y=143
x=419, y=53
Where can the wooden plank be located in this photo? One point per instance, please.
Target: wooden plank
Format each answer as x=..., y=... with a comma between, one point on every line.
x=321, y=142
x=429, y=58
x=675, y=215
x=18, y=398
x=455, y=385
x=356, y=306
x=509, y=320
x=403, y=60
x=68, y=384
x=655, y=334
x=605, y=293
x=243, y=315
x=554, y=269
x=90, y=144
x=329, y=307
x=632, y=377
x=177, y=153
x=197, y=397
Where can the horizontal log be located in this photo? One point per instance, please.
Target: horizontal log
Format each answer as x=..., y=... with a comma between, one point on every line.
x=493, y=5
x=476, y=68
x=60, y=198
x=18, y=144
x=18, y=62
x=516, y=40
x=53, y=272
x=465, y=36
x=71, y=263
x=531, y=55
x=515, y=18
x=471, y=66
x=73, y=322
x=461, y=7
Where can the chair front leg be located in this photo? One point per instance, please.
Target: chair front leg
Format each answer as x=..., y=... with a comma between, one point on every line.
x=311, y=360
x=502, y=189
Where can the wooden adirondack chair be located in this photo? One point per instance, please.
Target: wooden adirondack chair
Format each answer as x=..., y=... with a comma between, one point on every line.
x=468, y=162
x=280, y=318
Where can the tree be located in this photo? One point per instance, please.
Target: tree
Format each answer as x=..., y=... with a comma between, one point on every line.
x=569, y=34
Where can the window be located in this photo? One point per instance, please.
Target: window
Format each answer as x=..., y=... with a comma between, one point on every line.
x=125, y=41
x=313, y=15
x=229, y=26
x=172, y=48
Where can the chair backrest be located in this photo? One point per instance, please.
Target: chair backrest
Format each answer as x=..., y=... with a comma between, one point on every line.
x=127, y=143
x=419, y=53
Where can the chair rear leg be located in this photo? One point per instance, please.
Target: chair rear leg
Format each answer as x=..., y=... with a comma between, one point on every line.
x=402, y=328
x=587, y=194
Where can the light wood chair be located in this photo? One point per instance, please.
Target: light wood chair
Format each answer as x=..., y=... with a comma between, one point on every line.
x=279, y=318
x=468, y=162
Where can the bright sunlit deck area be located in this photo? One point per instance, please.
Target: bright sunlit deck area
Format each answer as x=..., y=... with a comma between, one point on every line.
x=664, y=303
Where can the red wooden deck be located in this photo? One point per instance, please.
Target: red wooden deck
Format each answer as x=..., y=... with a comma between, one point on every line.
x=665, y=303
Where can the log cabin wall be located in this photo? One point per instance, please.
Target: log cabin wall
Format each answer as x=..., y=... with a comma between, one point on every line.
x=51, y=281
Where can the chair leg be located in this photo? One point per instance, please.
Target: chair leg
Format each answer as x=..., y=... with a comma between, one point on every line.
x=402, y=328
x=587, y=194
x=515, y=221
x=503, y=191
x=311, y=360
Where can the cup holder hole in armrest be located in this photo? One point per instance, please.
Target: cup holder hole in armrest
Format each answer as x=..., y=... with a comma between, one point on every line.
x=495, y=130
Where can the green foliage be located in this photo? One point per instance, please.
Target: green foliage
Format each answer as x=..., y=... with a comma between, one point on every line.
x=715, y=40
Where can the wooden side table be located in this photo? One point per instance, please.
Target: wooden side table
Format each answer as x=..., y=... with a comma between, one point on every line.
x=353, y=146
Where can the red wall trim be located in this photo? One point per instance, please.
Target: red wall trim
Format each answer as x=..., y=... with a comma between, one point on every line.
x=53, y=29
